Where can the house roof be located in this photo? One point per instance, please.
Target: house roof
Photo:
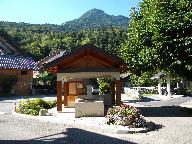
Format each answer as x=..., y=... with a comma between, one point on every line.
x=17, y=62
x=51, y=58
x=80, y=52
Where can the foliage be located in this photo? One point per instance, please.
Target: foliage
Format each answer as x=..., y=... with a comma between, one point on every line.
x=45, y=83
x=39, y=41
x=125, y=115
x=32, y=107
x=149, y=91
x=44, y=79
x=159, y=38
x=104, y=85
x=143, y=80
x=7, y=82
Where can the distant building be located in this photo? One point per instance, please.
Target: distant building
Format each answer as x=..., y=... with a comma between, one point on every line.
x=14, y=63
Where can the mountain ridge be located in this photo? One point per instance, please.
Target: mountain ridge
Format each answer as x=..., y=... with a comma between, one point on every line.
x=96, y=18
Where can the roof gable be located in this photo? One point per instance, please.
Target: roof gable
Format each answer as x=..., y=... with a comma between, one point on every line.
x=84, y=57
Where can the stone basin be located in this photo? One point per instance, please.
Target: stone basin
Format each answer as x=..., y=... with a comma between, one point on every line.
x=89, y=108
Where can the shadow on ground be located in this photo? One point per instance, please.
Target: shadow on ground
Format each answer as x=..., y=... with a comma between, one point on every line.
x=143, y=99
x=2, y=98
x=71, y=136
x=164, y=111
x=147, y=99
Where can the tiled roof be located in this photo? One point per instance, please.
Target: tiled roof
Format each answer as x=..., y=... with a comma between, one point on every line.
x=17, y=62
x=56, y=57
x=51, y=58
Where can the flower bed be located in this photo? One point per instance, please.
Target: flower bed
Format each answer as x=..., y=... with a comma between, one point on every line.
x=32, y=107
x=125, y=115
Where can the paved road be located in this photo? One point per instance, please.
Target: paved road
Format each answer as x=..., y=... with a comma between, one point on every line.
x=176, y=128
x=16, y=129
x=176, y=124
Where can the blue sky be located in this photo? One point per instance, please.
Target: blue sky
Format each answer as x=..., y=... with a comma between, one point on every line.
x=59, y=11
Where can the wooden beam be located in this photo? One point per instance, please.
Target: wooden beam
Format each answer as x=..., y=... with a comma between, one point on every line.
x=76, y=60
x=73, y=59
x=118, y=92
x=70, y=70
x=113, y=92
x=88, y=51
x=66, y=93
x=100, y=61
x=59, y=95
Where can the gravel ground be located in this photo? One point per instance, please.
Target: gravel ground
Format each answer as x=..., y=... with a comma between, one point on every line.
x=176, y=124
x=19, y=129
x=175, y=127
x=14, y=129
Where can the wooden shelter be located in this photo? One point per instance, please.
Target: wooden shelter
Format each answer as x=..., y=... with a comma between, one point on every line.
x=14, y=63
x=83, y=62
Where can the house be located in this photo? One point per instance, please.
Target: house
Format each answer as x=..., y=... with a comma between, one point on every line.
x=15, y=64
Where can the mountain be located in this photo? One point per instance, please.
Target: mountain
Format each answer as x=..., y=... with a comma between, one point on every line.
x=96, y=18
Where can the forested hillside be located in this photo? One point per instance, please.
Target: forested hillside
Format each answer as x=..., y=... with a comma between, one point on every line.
x=41, y=40
x=94, y=27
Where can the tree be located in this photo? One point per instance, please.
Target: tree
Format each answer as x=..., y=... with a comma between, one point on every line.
x=159, y=38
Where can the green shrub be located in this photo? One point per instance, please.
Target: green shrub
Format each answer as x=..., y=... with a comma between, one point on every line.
x=104, y=85
x=32, y=107
x=149, y=91
x=125, y=115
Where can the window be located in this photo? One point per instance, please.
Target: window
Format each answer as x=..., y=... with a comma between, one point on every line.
x=76, y=88
x=72, y=88
x=23, y=72
x=2, y=53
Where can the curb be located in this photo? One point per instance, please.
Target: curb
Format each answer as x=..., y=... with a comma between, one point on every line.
x=114, y=129
x=128, y=130
x=137, y=130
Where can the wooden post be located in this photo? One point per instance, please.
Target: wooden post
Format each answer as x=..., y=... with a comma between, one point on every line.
x=59, y=95
x=66, y=92
x=118, y=92
x=159, y=87
x=113, y=92
x=168, y=87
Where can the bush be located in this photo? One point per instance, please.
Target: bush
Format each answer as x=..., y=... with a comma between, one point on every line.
x=149, y=91
x=143, y=80
x=104, y=85
x=125, y=115
x=32, y=107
